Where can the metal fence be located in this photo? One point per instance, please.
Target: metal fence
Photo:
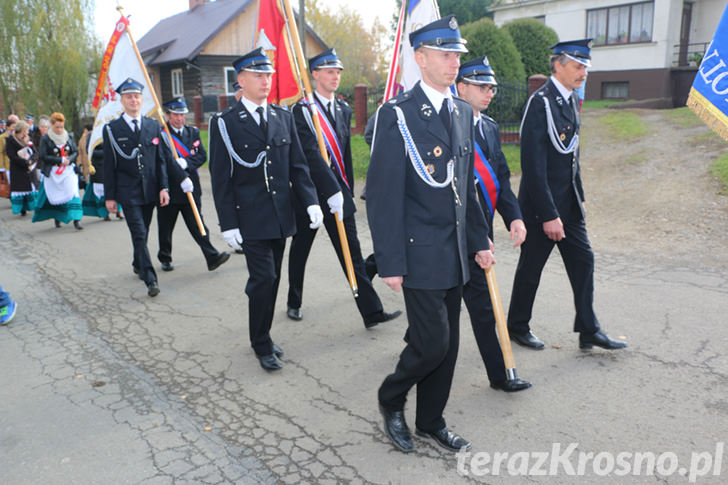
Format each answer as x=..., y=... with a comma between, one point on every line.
x=506, y=108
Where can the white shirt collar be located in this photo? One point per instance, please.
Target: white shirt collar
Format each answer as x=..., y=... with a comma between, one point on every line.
x=326, y=102
x=476, y=118
x=436, y=97
x=129, y=122
x=252, y=107
x=565, y=93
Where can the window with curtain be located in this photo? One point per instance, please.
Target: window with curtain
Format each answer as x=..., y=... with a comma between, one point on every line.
x=621, y=24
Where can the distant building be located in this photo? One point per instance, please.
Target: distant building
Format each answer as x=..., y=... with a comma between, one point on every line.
x=642, y=49
x=190, y=54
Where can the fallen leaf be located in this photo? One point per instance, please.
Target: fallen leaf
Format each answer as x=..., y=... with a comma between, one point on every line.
x=556, y=346
x=207, y=428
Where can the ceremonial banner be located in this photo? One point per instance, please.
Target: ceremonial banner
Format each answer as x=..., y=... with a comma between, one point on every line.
x=120, y=62
x=390, y=89
x=709, y=94
x=419, y=14
x=272, y=37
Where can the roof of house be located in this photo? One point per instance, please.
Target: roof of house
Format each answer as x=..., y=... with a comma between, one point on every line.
x=185, y=35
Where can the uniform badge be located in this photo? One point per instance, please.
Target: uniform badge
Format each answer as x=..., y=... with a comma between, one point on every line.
x=437, y=151
x=562, y=136
x=242, y=114
x=430, y=168
x=559, y=100
x=196, y=143
x=426, y=110
x=453, y=23
x=155, y=141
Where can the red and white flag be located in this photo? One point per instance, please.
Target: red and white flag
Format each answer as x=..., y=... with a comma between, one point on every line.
x=271, y=35
x=120, y=62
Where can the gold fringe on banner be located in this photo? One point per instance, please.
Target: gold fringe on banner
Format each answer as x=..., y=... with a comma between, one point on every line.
x=709, y=113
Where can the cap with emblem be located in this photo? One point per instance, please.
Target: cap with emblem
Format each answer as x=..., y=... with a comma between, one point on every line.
x=129, y=86
x=442, y=34
x=255, y=61
x=576, y=50
x=29, y=118
x=477, y=71
x=176, y=105
x=327, y=59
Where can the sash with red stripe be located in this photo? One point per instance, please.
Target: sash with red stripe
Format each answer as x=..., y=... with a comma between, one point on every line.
x=487, y=179
x=181, y=148
x=332, y=143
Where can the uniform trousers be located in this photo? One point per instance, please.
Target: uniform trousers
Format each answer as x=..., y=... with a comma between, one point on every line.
x=368, y=301
x=480, y=308
x=578, y=257
x=166, y=220
x=264, y=259
x=138, y=218
x=428, y=359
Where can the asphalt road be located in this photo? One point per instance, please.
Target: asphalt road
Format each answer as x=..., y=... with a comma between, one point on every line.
x=101, y=384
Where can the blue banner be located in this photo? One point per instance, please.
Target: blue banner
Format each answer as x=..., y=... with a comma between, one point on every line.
x=709, y=95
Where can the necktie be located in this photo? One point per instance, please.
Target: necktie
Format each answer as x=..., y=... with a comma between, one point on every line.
x=332, y=116
x=445, y=114
x=136, y=126
x=263, y=124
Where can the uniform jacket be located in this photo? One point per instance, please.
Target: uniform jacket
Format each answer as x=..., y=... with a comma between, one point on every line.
x=191, y=139
x=50, y=154
x=551, y=181
x=507, y=203
x=137, y=181
x=327, y=178
x=261, y=208
x=420, y=232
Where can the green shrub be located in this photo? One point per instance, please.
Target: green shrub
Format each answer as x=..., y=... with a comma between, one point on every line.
x=487, y=39
x=533, y=40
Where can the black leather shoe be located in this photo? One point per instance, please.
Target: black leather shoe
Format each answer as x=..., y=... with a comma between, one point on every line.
x=600, y=339
x=57, y=223
x=381, y=316
x=278, y=351
x=77, y=225
x=446, y=438
x=219, y=259
x=511, y=385
x=270, y=362
x=240, y=251
x=370, y=266
x=294, y=313
x=152, y=289
x=167, y=266
x=397, y=430
x=527, y=340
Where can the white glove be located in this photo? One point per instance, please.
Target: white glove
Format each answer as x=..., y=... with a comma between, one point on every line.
x=336, y=204
x=182, y=163
x=233, y=238
x=316, y=216
x=186, y=185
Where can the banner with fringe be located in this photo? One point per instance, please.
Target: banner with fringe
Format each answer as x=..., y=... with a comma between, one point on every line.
x=708, y=97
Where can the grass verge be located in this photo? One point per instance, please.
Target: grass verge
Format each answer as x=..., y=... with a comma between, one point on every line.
x=719, y=170
x=624, y=125
x=683, y=117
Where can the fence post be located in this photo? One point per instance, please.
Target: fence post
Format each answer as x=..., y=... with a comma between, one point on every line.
x=535, y=82
x=360, y=109
x=221, y=102
x=199, y=115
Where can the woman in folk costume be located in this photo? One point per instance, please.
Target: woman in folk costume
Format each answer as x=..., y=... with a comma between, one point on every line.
x=58, y=198
x=94, y=203
x=23, y=159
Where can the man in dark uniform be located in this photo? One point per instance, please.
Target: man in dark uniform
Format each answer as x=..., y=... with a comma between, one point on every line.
x=135, y=174
x=335, y=186
x=476, y=84
x=426, y=222
x=190, y=156
x=256, y=165
x=551, y=198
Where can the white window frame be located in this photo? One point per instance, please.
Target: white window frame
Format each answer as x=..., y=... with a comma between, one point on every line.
x=228, y=86
x=177, y=83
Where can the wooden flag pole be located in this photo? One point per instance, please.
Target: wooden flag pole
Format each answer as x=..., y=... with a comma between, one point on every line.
x=308, y=92
x=500, y=322
x=163, y=121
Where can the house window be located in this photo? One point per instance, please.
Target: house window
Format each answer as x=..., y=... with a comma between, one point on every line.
x=177, y=87
x=615, y=90
x=541, y=18
x=230, y=77
x=621, y=24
